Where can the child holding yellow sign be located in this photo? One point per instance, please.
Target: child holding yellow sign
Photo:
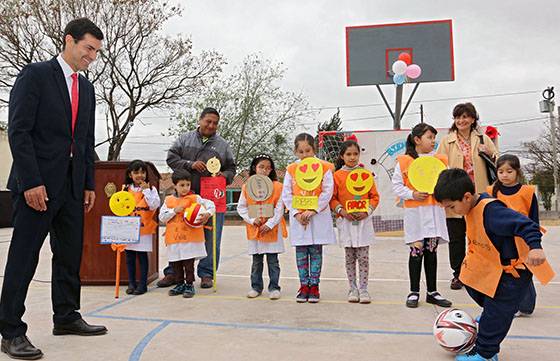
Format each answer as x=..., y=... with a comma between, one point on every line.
x=262, y=210
x=414, y=180
x=354, y=199
x=307, y=191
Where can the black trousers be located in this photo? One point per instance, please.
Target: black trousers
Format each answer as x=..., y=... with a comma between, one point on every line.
x=64, y=220
x=457, y=228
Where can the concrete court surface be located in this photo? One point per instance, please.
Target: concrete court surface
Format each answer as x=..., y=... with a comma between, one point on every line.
x=228, y=326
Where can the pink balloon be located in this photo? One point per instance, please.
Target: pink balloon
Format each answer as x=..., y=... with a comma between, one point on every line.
x=413, y=71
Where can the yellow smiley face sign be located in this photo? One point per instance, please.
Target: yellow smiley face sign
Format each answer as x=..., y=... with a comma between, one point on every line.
x=423, y=173
x=359, y=182
x=122, y=203
x=213, y=165
x=309, y=174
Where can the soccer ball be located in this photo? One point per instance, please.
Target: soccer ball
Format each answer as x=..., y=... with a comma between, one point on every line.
x=455, y=331
x=193, y=215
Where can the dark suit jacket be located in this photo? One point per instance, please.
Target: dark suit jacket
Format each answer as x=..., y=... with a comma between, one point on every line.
x=40, y=131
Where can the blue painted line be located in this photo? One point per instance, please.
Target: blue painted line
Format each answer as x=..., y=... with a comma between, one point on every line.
x=114, y=304
x=139, y=349
x=301, y=329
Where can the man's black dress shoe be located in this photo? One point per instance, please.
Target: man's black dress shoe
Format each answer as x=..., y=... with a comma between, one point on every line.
x=21, y=348
x=79, y=327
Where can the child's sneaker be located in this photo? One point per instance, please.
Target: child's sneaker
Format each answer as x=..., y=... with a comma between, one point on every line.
x=364, y=296
x=274, y=295
x=177, y=290
x=130, y=290
x=473, y=356
x=353, y=295
x=436, y=299
x=313, y=294
x=522, y=314
x=253, y=293
x=303, y=294
x=188, y=291
x=412, y=299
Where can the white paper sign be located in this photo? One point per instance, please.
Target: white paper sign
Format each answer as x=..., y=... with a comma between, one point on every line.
x=120, y=230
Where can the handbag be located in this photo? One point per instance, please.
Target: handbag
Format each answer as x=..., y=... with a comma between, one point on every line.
x=491, y=171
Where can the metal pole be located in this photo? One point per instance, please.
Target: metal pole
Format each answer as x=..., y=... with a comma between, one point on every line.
x=421, y=113
x=554, y=158
x=398, y=105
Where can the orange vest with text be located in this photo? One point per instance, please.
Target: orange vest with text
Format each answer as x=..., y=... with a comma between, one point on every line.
x=482, y=268
x=297, y=191
x=341, y=194
x=177, y=231
x=404, y=163
x=520, y=201
x=147, y=221
x=272, y=235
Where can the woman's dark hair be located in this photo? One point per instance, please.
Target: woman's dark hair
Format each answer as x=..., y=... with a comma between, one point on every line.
x=343, y=147
x=209, y=110
x=464, y=108
x=513, y=162
x=134, y=165
x=418, y=131
x=253, y=169
x=305, y=137
x=78, y=28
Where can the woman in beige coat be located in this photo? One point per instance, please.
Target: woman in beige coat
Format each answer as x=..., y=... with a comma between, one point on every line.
x=462, y=146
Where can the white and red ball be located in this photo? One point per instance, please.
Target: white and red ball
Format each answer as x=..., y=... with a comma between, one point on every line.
x=455, y=331
x=193, y=215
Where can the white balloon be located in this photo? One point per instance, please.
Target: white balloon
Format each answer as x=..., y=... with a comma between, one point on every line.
x=399, y=67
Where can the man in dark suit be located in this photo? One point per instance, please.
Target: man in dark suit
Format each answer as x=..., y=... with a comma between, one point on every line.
x=51, y=124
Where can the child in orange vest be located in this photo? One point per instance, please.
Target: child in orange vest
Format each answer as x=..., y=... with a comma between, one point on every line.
x=147, y=203
x=264, y=236
x=504, y=252
x=424, y=219
x=310, y=225
x=520, y=198
x=354, y=189
x=185, y=242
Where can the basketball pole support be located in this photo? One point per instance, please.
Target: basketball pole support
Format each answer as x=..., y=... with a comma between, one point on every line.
x=398, y=114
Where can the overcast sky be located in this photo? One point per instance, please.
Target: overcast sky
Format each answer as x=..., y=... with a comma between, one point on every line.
x=500, y=47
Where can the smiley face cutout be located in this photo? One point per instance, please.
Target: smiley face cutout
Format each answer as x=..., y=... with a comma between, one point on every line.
x=359, y=182
x=309, y=174
x=122, y=203
x=213, y=165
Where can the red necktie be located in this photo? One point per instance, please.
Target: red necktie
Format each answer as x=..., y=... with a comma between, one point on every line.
x=74, y=100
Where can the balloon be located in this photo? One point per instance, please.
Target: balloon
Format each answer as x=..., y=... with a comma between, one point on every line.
x=399, y=67
x=413, y=71
x=406, y=58
x=398, y=79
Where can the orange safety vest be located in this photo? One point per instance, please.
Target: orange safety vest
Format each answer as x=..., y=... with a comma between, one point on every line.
x=482, y=268
x=177, y=230
x=272, y=235
x=147, y=221
x=341, y=194
x=520, y=201
x=404, y=163
x=296, y=190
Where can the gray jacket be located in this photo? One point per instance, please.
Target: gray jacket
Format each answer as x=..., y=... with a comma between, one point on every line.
x=189, y=148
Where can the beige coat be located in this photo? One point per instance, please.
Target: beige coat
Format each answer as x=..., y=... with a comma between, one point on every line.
x=450, y=147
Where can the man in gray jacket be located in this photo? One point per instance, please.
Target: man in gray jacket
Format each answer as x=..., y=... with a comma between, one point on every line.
x=191, y=151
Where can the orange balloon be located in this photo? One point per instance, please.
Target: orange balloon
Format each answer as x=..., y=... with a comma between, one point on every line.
x=406, y=58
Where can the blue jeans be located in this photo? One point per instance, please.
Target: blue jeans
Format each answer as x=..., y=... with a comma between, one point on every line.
x=497, y=314
x=204, y=268
x=273, y=272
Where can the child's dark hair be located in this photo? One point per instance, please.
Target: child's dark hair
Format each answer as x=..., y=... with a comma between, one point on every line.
x=135, y=165
x=418, y=131
x=452, y=185
x=253, y=169
x=305, y=137
x=343, y=147
x=181, y=174
x=513, y=162
x=464, y=108
x=209, y=110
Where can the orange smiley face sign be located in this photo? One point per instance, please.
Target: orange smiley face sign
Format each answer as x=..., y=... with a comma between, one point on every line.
x=309, y=174
x=359, y=182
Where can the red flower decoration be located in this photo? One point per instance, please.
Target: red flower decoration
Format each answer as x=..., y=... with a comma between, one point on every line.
x=351, y=137
x=492, y=132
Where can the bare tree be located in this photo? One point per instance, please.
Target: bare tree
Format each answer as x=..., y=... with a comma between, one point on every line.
x=256, y=114
x=139, y=68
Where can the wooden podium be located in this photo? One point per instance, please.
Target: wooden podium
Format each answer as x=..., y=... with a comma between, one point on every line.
x=98, y=261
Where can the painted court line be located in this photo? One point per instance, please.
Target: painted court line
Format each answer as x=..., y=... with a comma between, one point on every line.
x=139, y=349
